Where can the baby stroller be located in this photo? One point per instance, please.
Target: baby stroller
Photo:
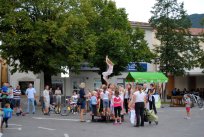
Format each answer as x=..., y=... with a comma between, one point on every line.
x=150, y=116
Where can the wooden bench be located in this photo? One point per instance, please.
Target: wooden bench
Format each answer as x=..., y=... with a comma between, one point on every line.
x=177, y=101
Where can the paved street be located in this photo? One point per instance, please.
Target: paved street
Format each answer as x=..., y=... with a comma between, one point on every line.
x=171, y=124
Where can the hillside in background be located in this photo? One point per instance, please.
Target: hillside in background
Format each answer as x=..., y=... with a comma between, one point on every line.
x=196, y=19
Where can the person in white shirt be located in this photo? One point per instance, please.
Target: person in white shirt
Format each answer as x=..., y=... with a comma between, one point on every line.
x=30, y=93
x=127, y=96
x=146, y=89
x=46, y=98
x=106, y=98
x=139, y=97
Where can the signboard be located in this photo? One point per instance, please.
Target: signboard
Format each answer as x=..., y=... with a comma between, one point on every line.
x=133, y=67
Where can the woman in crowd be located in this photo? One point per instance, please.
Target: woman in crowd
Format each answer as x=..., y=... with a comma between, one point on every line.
x=58, y=94
x=106, y=100
x=139, y=98
x=82, y=101
x=151, y=98
x=127, y=96
x=46, y=98
x=109, y=71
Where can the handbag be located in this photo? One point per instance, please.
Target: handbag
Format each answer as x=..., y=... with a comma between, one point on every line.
x=79, y=101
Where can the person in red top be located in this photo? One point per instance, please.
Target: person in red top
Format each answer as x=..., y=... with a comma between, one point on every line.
x=117, y=103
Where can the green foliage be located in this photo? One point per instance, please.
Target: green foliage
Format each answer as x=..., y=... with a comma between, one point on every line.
x=178, y=50
x=44, y=35
x=113, y=32
x=117, y=39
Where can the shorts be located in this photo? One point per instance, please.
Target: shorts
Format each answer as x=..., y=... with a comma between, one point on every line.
x=58, y=99
x=47, y=104
x=188, y=109
x=105, y=103
x=17, y=102
x=83, y=104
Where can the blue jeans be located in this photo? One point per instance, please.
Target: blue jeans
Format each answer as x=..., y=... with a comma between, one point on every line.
x=31, y=100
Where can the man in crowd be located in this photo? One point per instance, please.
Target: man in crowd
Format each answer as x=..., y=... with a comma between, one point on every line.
x=30, y=93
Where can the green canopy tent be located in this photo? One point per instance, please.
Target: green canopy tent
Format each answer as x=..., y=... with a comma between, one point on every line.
x=146, y=77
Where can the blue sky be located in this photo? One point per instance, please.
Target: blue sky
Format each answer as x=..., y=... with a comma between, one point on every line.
x=139, y=10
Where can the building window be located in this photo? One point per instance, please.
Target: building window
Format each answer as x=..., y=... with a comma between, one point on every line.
x=97, y=83
x=57, y=83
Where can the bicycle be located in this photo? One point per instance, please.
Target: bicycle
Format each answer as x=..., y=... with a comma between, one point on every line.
x=195, y=100
x=66, y=108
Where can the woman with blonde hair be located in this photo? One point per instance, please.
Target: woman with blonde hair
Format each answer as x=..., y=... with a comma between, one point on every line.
x=82, y=101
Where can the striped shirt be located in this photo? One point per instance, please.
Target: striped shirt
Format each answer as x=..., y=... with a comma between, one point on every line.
x=18, y=92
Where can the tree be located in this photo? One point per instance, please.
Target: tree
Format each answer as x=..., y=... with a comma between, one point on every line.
x=113, y=32
x=201, y=59
x=46, y=35
x=178, y=50
x=116, y=39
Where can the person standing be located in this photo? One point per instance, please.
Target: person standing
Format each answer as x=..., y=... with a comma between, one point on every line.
x=127, y=96
x=117, y=104
x=139, y=97
x=82, y=101
x=4, y=94
x=51, y=96
x=58, y=94
x=10, y=96
x=188, y=106
x=151, y=99
x=17, y=99
x=46, y=99
x=145, y=88
x=30, y=93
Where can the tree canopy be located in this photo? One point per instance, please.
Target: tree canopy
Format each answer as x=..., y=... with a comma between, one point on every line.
x=178, y=49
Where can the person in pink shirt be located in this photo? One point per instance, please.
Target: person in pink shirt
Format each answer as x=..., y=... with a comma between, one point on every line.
x=117, y=103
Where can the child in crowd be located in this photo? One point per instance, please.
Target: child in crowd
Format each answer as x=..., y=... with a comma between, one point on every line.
x=94, y=103
x=7, y=114
x=117, y=103
x=74, y=100
x=188, y=106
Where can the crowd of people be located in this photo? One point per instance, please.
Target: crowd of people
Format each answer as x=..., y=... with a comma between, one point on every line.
x=116, y=101
x=107, y=101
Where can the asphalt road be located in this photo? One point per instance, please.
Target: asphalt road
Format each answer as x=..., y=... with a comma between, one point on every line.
x=171, y=124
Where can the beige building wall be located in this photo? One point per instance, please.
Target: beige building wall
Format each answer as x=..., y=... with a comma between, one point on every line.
x=200, y=81
x=181, y=82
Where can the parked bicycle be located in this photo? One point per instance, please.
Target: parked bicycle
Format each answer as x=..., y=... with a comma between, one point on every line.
x=195, y=99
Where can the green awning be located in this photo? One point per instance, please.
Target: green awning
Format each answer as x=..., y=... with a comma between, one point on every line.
x=146, y=77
